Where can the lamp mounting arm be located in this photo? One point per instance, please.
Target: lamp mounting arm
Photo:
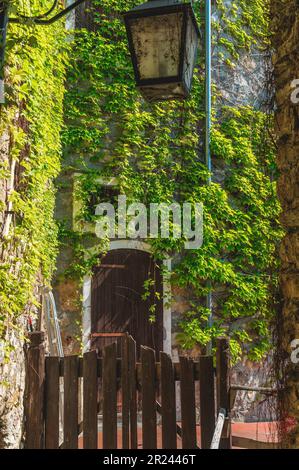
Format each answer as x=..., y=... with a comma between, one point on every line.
x=42, y=15
x=41, y=19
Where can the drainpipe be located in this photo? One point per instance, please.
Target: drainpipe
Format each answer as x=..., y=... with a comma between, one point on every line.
x=208, y=123
x=208, y=85
x=3, y=30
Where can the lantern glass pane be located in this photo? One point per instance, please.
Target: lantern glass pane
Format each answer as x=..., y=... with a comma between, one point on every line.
x=157, y=42
x=190, y=54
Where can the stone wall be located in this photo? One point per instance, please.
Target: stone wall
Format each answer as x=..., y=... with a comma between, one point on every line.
x=285, y=17
x=67, y=291
x=67, y=295
x=24, y=145
x=12, y=374
x=248, y=83
x=12, y=387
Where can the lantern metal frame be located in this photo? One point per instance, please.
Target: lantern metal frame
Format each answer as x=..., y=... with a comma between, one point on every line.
x=154, y=8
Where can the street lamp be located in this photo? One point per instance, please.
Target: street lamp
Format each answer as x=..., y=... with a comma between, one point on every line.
x=163, y=38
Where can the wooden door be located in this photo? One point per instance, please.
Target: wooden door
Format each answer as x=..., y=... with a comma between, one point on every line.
x=119, y=303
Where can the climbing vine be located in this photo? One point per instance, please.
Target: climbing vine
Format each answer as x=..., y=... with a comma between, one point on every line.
x=156, y=154
x=30, y=124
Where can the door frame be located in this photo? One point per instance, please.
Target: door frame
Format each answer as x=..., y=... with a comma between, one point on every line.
x=86, y=304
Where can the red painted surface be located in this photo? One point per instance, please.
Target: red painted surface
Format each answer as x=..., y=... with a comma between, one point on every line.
x=265, y=432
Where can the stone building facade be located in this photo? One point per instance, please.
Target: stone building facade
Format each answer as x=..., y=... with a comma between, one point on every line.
x=243, y=85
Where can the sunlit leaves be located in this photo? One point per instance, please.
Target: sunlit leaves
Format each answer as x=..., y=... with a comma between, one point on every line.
x=156, y=153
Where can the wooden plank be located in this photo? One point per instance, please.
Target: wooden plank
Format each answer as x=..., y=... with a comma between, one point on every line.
x=232, y=397
x=148, y=387
x=207, y=401
x=215, y=444
x=177, y=371
x=109, y=397
x=125, y=387
x=113, y=266
x=70, y=402
x=168, y=403
x=107, y=335
x=178, y=427
x=34, y=394
x=188, y=404
x=90, y=390
x=223, y=386
x=245, y=388
x=245, y=443
x=52, y=393
x=176, y=366
x=133, y=392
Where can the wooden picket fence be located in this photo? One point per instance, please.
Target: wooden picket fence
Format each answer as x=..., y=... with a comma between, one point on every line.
x=125, y=403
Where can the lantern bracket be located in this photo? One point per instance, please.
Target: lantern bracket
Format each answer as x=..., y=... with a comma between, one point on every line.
x=40, y=18
x=42, y=15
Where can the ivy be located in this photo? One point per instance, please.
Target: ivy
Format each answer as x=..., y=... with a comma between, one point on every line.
x=156, y=154
x=32, y=117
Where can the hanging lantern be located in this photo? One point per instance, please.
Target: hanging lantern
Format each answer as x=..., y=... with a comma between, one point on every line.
x=163, y=38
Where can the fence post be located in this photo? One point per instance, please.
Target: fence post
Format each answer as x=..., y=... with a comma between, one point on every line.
x=223, y=385
x=169, y=438
x=133, y=392
x=90, y=388
x=188, y=403
x=125, y=390
x=207, y=400
x=148, y=387
x=34, y=396
x=109, y=397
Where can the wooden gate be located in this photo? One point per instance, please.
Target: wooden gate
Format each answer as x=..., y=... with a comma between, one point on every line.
x=164, y=387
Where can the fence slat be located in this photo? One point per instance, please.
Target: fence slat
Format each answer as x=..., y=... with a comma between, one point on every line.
x=222, y=374
x=125, y=387
x=133, y=393
x=52, y=393
x=169, y=439
x=34, y=410
x=188, y=404
x=70, y=402
x=109, y=397
x=207, y=401
x=90, y=386
x=148, y=387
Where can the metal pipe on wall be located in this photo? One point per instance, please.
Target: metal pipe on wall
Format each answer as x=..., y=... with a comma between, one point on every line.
x=208, y=123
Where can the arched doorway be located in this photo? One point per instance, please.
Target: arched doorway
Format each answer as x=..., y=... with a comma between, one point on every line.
x=119, y=302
